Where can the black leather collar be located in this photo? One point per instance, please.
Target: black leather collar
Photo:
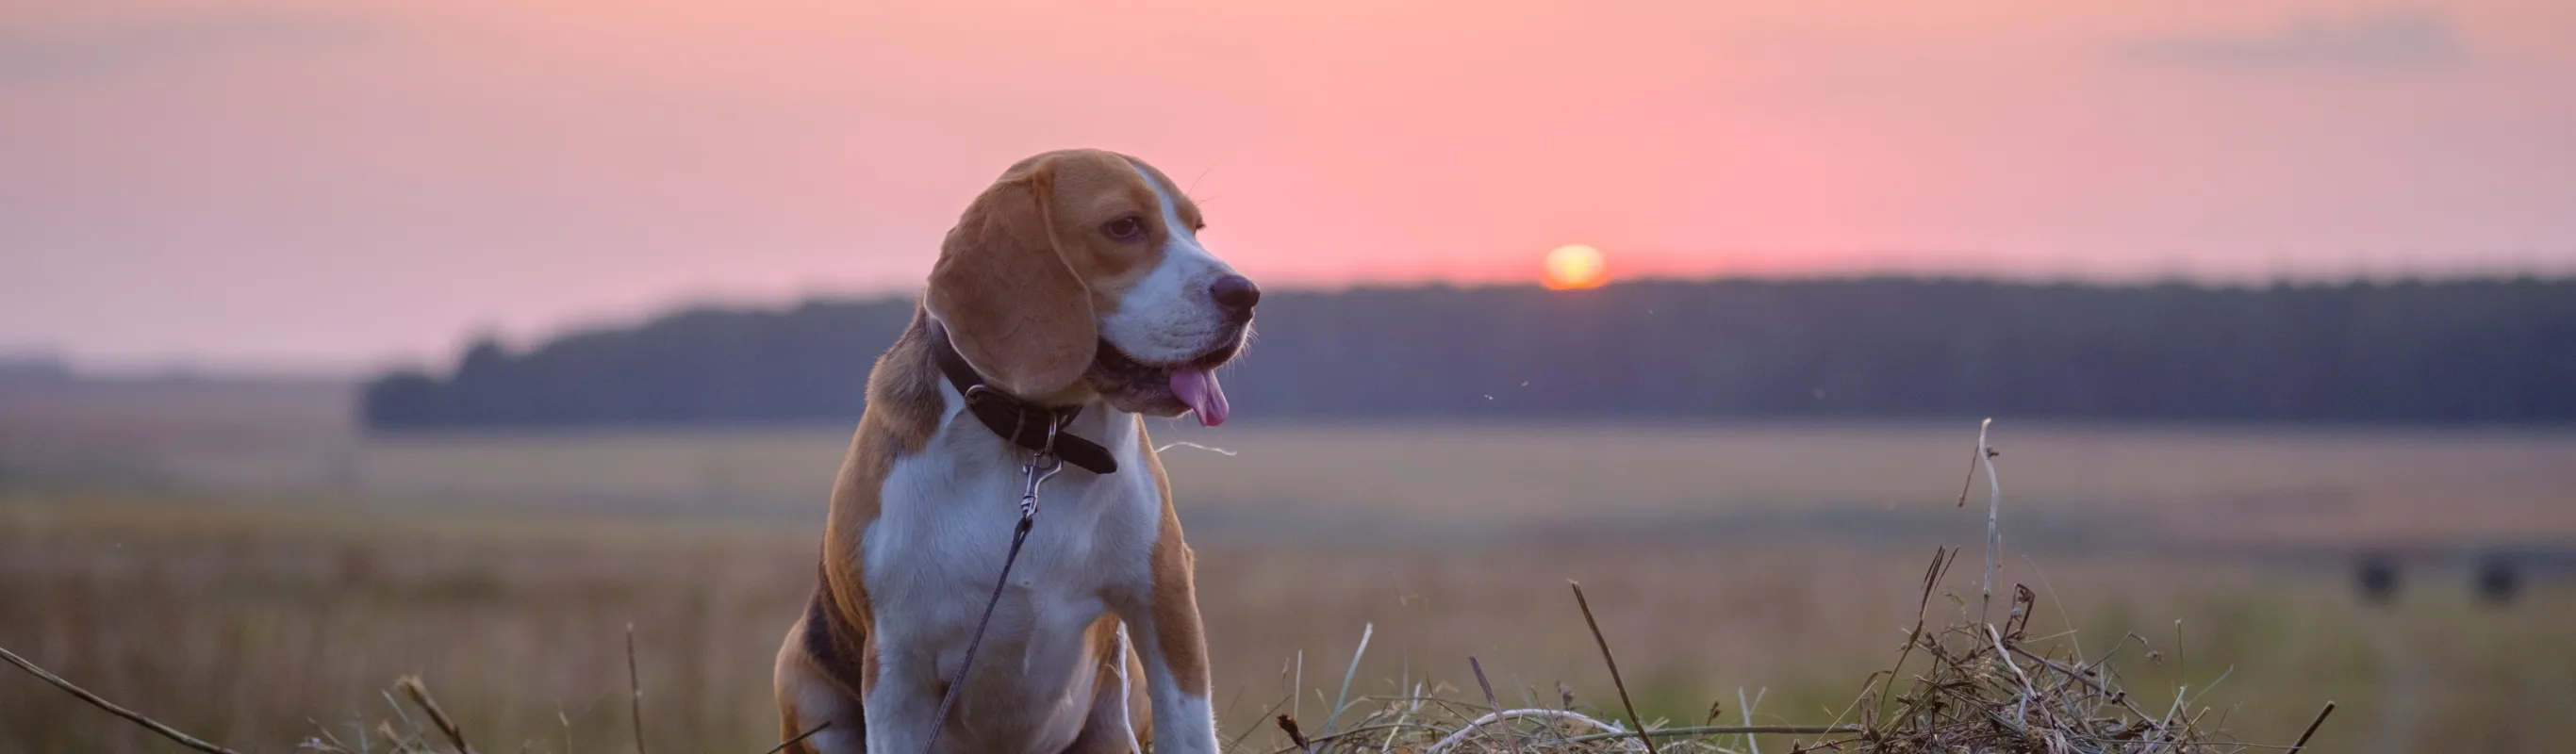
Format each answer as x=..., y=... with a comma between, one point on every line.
x=1023, y=423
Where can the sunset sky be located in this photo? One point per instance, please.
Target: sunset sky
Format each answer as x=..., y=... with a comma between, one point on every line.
x=345, y=184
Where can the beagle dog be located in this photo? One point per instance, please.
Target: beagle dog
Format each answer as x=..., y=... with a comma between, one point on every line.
x=1071, y=300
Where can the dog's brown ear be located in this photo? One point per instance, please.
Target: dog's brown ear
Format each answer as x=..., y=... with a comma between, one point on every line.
x=1012, y=305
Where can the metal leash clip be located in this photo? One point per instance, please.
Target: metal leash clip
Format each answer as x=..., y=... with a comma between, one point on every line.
x=1042, y=465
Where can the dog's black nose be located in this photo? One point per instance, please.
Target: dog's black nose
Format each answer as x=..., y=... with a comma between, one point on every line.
x=1236, y=293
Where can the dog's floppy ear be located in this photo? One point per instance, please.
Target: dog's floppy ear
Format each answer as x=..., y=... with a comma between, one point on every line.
x=1012, y=305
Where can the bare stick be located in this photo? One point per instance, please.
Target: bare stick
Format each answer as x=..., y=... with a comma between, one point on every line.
x=1288, y=725
x=1724, y=730
x=2021, y=708
x=411, y=687
x=634, y=685
x=1606, y=659
x=1510, y=738
x=183, y=739
x=809, y=733
x=1461, y=734
x=1750, y=743
x=1994, y=509
x=2312, y=728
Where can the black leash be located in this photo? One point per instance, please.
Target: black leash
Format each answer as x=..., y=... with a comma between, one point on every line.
x=1042, y=465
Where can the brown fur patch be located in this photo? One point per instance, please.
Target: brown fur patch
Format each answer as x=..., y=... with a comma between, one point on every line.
x=1024, y=276
x=1176, y=606
x=837, y=649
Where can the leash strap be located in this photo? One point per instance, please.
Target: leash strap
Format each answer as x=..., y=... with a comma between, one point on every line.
x=1042, y=465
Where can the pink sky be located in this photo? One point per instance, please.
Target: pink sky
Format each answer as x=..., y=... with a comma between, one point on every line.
x=337, y=185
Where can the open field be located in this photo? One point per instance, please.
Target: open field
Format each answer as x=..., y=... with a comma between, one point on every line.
x=246, y=584
x=244, y=622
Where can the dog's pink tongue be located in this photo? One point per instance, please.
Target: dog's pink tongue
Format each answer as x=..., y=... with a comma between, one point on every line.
x=1197, y=387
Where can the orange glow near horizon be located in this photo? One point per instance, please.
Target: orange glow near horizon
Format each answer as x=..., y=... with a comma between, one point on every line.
x=1574, y=266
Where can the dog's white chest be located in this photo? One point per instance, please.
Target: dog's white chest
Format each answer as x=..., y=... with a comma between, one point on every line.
x=938, y=544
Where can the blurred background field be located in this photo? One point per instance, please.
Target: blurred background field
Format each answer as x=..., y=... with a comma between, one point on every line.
x=342, y=341
x=251, y=564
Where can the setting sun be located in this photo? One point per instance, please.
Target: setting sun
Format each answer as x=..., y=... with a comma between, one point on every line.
x=1573, y=266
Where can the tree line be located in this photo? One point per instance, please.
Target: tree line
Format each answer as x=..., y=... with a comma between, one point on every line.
x=2452, y=351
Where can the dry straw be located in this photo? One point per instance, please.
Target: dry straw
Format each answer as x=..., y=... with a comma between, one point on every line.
x=1966, y=687
x=1969, y=686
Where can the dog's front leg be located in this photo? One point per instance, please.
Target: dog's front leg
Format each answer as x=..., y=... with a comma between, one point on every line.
x=901, y=705
x=1174, y=651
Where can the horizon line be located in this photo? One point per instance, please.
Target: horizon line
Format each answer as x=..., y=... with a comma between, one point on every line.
x=46, y=356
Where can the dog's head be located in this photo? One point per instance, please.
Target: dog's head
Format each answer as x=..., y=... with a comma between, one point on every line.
x=1079, y=275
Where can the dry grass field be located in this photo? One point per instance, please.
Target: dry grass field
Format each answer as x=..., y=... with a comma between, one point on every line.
x=260, y=586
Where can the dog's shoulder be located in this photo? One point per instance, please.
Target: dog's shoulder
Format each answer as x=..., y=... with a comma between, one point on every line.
x=904, y=402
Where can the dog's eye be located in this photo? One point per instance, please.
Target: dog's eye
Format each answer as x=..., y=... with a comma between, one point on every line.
x=1124, y=229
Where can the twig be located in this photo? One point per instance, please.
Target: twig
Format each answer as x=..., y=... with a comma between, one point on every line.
x=1510, y=738
x=1289, y=725
x=1460, y=735
x=398, y=710
x=634, y=685
x=1994, y=509
x=2021, y=708
x=412, y=687
x=2312, y=728
x=2182, y=660
x=809, y=733
x=1725, y=730
x=1750, y=743
x=1606, y=659
x=137, y=718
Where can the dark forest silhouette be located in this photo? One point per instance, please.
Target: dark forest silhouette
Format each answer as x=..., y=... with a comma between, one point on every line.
x=2483, y=351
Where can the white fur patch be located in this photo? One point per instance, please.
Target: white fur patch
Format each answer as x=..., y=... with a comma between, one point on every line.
x=932, y=555
x=1184, y=722
x=1169, y=317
